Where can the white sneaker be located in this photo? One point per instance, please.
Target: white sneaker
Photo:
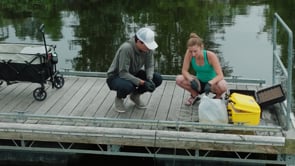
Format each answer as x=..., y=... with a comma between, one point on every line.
x=136, y=99
x=119, y=104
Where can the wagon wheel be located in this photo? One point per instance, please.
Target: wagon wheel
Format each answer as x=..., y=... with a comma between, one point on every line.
x=58, y=82
x=39, y=94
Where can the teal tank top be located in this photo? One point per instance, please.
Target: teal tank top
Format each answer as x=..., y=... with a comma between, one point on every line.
x=205, y=72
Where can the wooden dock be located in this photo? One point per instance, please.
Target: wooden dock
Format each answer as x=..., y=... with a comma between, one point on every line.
x=82, y=113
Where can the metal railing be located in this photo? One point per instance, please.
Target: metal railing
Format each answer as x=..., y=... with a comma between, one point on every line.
x=26, y=118
x=278, y=65
x=232, y=79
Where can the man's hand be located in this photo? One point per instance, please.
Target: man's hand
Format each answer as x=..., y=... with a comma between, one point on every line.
x=149, y=85
x=152, y=82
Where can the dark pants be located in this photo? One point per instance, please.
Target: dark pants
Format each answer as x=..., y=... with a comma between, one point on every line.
x=125, y=87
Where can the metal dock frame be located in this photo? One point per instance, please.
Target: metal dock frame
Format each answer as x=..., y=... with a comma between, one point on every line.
x=278, y=66
x=156, y=141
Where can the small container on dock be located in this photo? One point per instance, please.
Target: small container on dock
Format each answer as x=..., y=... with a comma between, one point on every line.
x=243, y=109
x=270, y=95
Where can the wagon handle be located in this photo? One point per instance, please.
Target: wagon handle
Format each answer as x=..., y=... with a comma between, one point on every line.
x=44, y=40
x=41, y=28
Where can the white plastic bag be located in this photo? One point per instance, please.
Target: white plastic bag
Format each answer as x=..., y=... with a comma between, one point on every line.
x=212, y=111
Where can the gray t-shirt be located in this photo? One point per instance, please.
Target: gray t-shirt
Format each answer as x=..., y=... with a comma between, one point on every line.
x=129, y=60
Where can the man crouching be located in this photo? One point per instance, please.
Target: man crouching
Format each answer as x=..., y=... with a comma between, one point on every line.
x=126, y=74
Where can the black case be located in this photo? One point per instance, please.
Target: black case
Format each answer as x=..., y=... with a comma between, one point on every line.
x=264, y=97
x=271, y=95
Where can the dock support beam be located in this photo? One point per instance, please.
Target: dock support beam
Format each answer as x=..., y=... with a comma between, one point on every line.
x=288, y=159
x=114, y=148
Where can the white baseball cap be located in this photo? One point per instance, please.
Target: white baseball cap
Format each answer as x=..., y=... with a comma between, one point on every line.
x=147, y=36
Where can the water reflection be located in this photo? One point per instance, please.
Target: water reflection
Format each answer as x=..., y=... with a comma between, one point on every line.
x=87, y=34
x=245, y=45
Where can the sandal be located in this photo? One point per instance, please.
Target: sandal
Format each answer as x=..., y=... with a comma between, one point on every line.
x=191, y=100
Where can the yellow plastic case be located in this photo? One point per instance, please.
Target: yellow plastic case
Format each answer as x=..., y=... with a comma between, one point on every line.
x=243, y=109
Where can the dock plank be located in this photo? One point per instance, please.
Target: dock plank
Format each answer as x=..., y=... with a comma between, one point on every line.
x=166, y=100
x=66, y=97
x=186, y=112
x=77, y=97
x=6, y=90
x=10, y=94
x=28, y=100
x=156, y=98
x=102, y=102
x=53, y=97
x=138, y=113
x=176, y=104
x=56, y=97
x=24, y=98
x=89, y=98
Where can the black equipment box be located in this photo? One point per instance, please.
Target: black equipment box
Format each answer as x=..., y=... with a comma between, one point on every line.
x=264, y=97
x=271, y=95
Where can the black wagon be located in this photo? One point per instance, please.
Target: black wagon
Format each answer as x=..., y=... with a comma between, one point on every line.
x=27, y=62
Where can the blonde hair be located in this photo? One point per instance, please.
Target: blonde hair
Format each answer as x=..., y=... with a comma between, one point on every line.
x=194, y=39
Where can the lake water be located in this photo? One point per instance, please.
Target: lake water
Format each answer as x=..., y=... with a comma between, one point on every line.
x=239, y=32
x=246, y=47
